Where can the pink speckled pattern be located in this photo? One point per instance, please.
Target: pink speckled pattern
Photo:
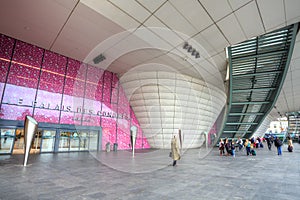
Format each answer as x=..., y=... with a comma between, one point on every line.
x=75, y=80
x=90, y=120
x=123, y=138
x=76, y=106
x=108, y=131
x=115, y=81
x=107, y=86
x=18, y=95
x=71, y=118
x=12, y=112
x=114, y=95
x=25, y=69
x=63, y=90
x=49, y=116
x=6, y=44
x=53, y=72
x=48, y=100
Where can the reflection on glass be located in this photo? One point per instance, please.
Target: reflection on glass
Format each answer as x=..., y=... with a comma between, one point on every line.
x=84, y=141
x=74, y=141
x=64, y=141
x=36, y=142
x=93, y=140
x=48, y=141
x=19, y=141
x=7, y=138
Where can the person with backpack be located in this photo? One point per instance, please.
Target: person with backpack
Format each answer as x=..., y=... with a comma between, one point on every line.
x=278, y=144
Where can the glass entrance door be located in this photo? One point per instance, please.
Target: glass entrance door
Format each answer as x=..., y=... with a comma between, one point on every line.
x=36, y=142
x=48, y=140
x=7, y=138
x=64, y=141
x=81, y=140
x=93, y=140
x=19, y=142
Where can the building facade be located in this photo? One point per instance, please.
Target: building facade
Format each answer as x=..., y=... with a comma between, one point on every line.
x=78, y=107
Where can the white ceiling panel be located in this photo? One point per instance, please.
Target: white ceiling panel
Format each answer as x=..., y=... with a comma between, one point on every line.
x=85, y=28
x=272, y=16
x=215, y=38
x=206, y=47
x=152, y=39
x=296, y=52
x=295, y=65
x=112, y=12
x=219, y=61
x=20, y=19
x=167, y=14
x=292, y=9
x=151, y=5
x=163, y=32
x=216, y=8
x=249, y=18
x=232, y=30
x=194, y=13
x=236, y=4
x=133, y=8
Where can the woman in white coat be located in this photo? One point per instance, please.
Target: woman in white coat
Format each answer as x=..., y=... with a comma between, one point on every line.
x=175, y=150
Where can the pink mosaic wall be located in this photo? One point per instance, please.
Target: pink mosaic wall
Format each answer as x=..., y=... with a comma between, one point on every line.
x=55, y=89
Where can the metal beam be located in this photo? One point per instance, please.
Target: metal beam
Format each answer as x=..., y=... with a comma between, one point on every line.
x=250, y=102
x=238, y=114
x=253, y=89
x=237, y=131
x=241, y=123
x=258, y=74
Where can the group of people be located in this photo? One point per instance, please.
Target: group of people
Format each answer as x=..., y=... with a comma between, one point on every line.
x=230, y=146
x=278, y=144
x=250, y=144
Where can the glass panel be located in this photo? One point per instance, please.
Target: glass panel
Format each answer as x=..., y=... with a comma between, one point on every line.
x=84, y=141
x=6, y=140
x=19, y=142
x=36, y=142
x=74, y=141
x=48, y=141
x=64, y=141
x=93, y=140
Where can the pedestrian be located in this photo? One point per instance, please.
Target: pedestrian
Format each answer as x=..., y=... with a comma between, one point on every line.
x=278, y=144
x=290, y=144
x=240, y=143
x=269, y=142
x=227, y=146
x=175, y=150
x=233, y=148
x=221, y=147
x=247, y=144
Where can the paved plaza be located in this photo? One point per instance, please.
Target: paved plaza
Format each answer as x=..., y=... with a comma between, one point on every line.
x=200, y=174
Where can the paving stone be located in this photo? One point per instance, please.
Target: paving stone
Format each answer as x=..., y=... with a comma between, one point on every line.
x=117, y=175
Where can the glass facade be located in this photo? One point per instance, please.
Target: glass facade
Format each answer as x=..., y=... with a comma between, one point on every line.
x=56, y=89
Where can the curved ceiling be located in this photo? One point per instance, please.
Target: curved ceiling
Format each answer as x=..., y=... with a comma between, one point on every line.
x=75, y=28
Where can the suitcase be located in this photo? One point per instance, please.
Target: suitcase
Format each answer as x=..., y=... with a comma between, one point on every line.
x=253, y=152
x=261, y=145
x=290, y=148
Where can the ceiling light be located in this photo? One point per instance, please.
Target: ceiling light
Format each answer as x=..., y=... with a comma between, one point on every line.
x=99, y=59
x=191, y=50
